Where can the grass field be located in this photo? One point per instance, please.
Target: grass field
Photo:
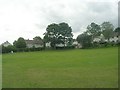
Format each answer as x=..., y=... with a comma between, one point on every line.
x=88, y=68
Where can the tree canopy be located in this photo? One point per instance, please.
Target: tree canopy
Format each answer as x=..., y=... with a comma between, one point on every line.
x=117, y=30
x=85, y=40
x=93, y=29
x=58, y=33
x=20, y=43
x=107, y=29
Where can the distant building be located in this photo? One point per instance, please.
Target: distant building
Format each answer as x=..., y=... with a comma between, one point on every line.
x=34, y=43
x=48, y=44
x=76, y=44
x=60, y=45
x=97, y=39
x=6, y=44
x=100, y=38
x=113, y=39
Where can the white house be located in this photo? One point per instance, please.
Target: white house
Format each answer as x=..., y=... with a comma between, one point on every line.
x=6, y=44
x=34, y=43
x=76, y=44
x=113, y=39
x=100, y=38
x=48, y=44
x=60, y=45
x=96, y=39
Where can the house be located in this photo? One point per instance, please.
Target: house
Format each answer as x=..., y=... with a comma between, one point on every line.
x=6, y=44
x=48, y=44
x=34, y=43
x=76, y=44
x=114, y=39
x=99, y=39
x=60, y=45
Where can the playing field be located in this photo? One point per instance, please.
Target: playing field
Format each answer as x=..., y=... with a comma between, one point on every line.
x=81, y=68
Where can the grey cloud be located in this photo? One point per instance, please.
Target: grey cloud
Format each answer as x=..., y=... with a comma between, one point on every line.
x=99, y=7
x=40, y=13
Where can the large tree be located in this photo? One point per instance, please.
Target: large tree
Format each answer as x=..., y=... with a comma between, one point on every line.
x=66, y=33
x=58, y=33
x=51, y=34
x=107, y=29
x=117, y=30
x=85, y=40
x=20, y=43
x=93, y=29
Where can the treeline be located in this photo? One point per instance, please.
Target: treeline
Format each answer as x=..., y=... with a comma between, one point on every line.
x=12, y=48
x=58, y=34
x=62, y=34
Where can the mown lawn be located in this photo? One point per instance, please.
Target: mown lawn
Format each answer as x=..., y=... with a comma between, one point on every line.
x=88, y=68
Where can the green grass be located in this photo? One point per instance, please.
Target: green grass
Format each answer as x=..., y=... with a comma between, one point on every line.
x=88, y=68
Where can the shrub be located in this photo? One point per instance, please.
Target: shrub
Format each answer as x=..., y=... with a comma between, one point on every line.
x=8, y=49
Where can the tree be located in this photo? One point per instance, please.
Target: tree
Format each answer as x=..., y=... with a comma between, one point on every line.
x=117, y=30
x=66, y=33
x=37, y=37
x=51, y=34
x=94, y=30
x=85, y=40
x=8, y=49
x=107, y=29
x=58, y=33
x=20, y=43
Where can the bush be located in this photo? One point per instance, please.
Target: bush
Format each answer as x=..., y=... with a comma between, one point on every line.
x=8, y=49
x=85, y=40
x=14, y=49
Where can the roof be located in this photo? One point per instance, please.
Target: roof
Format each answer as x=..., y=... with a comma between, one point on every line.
x=6, y=43
x=35, y=41
x=29, y=41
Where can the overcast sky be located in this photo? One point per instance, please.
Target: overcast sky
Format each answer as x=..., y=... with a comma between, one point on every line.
x=29, y=18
